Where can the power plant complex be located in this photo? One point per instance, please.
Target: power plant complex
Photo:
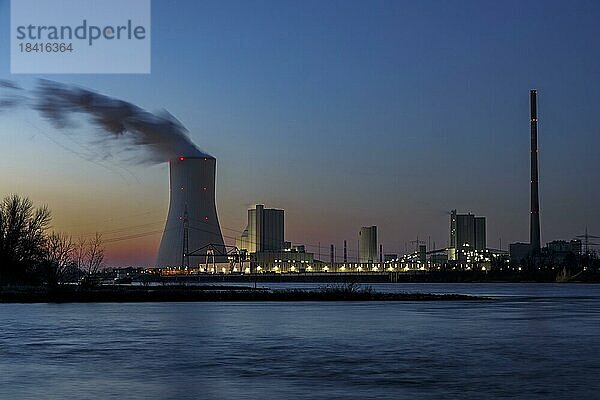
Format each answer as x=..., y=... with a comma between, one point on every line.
x=192, y=229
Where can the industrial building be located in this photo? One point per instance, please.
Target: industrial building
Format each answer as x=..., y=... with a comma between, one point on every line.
x=559, y=251
x=265, y=230
x=192, y=223
x=519, y=251
x=293, y=259
x=564, y=246
x=262, y=242
x=367, y=244
x=467, y=234
x=555, y=252
x=389, y=257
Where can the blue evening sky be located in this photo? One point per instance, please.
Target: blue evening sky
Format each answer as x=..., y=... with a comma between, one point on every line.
x=344, y=113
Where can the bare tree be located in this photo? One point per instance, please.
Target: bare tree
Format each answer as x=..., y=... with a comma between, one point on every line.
x=79, y=253
x=22, y=236
x=95, y=254
x=88, y=256
x=60, y=251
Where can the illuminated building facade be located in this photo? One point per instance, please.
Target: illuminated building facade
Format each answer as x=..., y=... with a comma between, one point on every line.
x=367, y=244
x=467, y=235
x=265, y=231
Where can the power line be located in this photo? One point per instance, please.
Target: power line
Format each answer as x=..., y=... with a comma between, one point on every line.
x=121, y=229
x=134, y=236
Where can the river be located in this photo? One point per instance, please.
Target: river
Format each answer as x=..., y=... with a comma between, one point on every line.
x=533, y=341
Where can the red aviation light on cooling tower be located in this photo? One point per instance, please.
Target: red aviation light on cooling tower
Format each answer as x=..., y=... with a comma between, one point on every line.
x=181, y=158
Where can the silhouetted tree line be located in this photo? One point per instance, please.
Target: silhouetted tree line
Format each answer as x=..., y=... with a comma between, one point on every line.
x=30, y=253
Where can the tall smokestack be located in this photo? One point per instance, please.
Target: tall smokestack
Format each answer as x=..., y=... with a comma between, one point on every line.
x=331, y=254
x=534, y=224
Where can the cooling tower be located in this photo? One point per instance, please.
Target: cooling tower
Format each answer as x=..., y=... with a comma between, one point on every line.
x=192, y=223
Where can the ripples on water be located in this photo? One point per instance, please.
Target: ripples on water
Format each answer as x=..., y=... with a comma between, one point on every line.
x=534, y=342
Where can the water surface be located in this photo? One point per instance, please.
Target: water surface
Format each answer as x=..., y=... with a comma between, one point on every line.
x=535, y=341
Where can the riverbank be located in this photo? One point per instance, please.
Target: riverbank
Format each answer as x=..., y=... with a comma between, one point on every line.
x=183, y=293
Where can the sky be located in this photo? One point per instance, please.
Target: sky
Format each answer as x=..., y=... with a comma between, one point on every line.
x=344, y=114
